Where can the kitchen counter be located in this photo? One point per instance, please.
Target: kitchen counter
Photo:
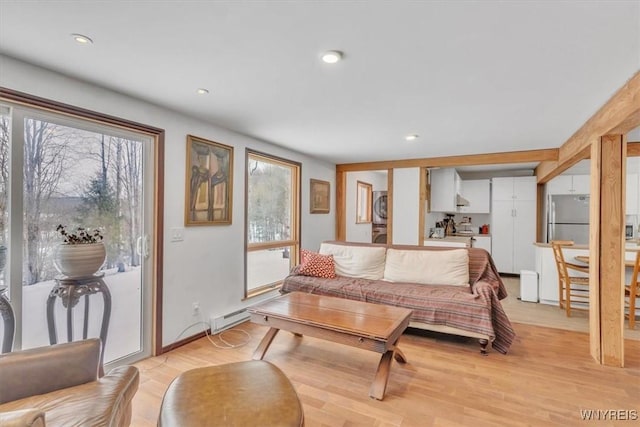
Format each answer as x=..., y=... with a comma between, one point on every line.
x=455, y=241
x=629, y=244
x=548, y=245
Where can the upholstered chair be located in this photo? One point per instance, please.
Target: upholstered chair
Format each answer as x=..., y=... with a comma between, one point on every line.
x=59, y=385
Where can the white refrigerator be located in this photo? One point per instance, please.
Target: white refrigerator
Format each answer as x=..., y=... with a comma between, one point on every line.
x=568, y=218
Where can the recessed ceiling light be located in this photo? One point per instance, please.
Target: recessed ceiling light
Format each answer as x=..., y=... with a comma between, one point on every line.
x=332, y=56
x=412, y=137
x=79, y=38
x=202, y=91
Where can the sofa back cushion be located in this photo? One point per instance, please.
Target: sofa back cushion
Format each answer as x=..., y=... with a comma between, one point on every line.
x=366, y=262
x=450, y=267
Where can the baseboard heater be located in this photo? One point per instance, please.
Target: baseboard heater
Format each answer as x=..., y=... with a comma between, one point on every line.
x=220, y=323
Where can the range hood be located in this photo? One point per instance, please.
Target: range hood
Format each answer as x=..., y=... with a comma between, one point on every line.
x=461, y=201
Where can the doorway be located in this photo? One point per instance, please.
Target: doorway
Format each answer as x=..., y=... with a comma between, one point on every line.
x=62, y=170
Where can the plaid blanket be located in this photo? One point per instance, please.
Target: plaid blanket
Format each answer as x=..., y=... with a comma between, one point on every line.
x=475, y=308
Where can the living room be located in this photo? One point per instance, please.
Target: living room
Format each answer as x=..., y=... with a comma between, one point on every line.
x=202, y=268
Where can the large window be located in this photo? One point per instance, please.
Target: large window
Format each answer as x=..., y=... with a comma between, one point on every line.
x=272, y=222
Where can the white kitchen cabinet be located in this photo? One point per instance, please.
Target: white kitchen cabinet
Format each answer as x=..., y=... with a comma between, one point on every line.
x=631, y=195
x=445, y=185
x=483, y=242
x=513, y=223
x=511, y=188
x=478, y=193
x=569, y=184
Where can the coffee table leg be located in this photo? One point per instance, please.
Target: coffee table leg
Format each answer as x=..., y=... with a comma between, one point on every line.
x=379, y=384
x=399, y=355
x=382, y=374
x=264, y=344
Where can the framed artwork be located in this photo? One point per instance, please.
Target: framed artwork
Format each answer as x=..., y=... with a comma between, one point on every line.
x=363, y=203
x=320, y=196
x=209, y=182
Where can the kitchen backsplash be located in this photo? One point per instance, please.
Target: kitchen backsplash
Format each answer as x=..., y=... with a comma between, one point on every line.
x=476, y=219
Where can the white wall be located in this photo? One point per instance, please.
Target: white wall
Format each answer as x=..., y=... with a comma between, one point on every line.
x=208, y=265
x=378, y=180
x=406, y=206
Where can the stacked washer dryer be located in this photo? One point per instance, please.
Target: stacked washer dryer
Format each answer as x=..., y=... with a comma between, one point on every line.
x=379, y=209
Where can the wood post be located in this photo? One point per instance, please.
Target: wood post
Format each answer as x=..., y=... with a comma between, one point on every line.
x=606, y=249
x=341, y=206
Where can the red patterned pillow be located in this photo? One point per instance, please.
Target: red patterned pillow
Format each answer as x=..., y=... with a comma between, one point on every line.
x=304, y=256
x=316, y=265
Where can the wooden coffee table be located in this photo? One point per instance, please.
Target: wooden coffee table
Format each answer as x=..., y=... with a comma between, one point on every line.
x=363, y=325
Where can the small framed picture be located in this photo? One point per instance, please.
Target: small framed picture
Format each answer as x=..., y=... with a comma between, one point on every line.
x=209, y=182
x=320, y=196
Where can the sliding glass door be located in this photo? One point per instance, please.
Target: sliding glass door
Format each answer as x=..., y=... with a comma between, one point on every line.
x=77, y=173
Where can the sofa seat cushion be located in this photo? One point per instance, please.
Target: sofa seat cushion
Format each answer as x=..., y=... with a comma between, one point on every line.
x=362, y=261
x=105, y=402
x=428, y=267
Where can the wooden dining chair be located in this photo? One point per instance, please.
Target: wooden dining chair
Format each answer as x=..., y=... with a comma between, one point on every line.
x=570, y=288
x=632, y=291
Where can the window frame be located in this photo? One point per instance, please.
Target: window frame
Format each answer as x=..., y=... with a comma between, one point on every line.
x=295, y=227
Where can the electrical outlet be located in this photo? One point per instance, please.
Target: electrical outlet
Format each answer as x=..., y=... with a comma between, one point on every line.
x=196, y=308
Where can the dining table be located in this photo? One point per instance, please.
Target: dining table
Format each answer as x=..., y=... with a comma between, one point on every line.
x=585, y=260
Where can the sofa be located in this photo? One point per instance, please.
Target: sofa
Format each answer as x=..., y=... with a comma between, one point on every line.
x=450, y=290
x=59, y=386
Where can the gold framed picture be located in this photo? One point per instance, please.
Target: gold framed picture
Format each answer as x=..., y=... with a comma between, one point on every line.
x=363, y=203
x=209, y=182
x=320, y=196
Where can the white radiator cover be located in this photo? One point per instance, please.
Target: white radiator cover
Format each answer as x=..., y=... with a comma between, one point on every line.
x=226, y=321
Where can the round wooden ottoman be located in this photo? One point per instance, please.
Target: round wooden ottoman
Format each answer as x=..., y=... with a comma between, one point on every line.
x=252, y=393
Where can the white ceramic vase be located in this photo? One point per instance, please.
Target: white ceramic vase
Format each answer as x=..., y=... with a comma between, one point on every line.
x=81, y=260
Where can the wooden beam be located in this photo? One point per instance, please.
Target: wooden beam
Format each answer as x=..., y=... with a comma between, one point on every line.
x=341, y=206
x=540, y=213
x=547, y=170
x=594, y=252
x=627, y=125
x=450, y=161
x=421, y=207
x=390, y=206
x=607, y=250
x=619, y=115
x=633, y=149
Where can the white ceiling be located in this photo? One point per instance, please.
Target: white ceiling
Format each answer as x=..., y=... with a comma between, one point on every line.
x=468, y=77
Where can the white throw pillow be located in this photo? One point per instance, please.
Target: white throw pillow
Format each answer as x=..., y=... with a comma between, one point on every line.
x=437, y=267
x=366, y=262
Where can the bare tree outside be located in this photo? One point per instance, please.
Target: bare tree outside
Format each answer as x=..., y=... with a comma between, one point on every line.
x=269, y=202
x=132, y=194
x=4, y=173
x=46, y=148
x=80, y=179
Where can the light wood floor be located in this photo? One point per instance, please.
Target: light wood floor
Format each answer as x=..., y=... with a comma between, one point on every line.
x=531, y=313
x=547, y=378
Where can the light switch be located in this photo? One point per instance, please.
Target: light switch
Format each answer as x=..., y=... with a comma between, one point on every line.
x=177, y=234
